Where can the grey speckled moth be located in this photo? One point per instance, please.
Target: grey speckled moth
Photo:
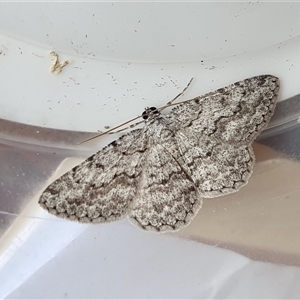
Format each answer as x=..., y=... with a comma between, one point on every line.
x=157, y=175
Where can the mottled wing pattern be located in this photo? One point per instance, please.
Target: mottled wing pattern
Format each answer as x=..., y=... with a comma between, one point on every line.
x=102, y=187
x=235, y=114
x=216, y=168
x=214, y=133
x=167, y=198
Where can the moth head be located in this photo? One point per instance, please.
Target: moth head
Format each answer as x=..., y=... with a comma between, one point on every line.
x=150, y=113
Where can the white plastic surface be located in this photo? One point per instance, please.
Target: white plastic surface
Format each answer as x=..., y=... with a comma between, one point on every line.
x=123, y=57
x=126, y=56
x=117, y=261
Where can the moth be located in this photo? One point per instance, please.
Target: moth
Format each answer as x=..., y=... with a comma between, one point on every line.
x=158, y=175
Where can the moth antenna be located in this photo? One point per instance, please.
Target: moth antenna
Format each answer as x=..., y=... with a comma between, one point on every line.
x=108, y=131
x=170, y=103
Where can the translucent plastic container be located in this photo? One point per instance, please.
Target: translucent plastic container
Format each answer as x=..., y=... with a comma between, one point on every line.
x=124, y=57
